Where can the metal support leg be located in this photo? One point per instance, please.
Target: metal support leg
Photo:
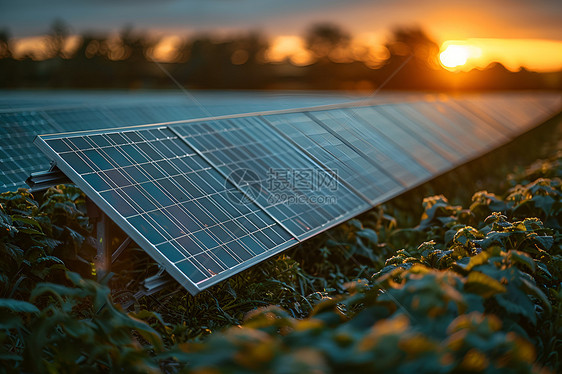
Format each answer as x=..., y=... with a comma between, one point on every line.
x=103, y=257
x=101, y=222
x=105, y=254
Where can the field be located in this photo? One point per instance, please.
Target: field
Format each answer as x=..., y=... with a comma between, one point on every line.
x=462, y=274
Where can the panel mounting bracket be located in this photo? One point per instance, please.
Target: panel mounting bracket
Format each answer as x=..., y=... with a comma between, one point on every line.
x=42, y=180
x=105, y=254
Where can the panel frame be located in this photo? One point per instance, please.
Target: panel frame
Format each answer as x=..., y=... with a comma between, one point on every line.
x=193, y=288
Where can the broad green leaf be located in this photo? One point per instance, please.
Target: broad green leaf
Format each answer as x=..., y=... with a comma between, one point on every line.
x=466, y=234
x=545, y=242
x=9, y=321
x=77, y=238
x=10, y=357
x=530, y=224
x=28, y=220
x=369, y=234
x=18, y=306
x=355, y=223
x=522, y=258
x=483, y=285
x=50, y=259
x=544, y=203
x=479, y=259
x=518, y=302
x=536, y=292
x=544, y=269
x=24, y=230
x=57, y=290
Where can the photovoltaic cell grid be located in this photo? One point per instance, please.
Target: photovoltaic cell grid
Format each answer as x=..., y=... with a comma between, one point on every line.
x=375, y=145
x=55, y=113
x=152, y=182
x=18, y=156
x=318, y=135
x=292, y=188
x=176, y=190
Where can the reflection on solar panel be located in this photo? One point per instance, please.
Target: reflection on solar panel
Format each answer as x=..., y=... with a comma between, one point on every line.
x=324, y=138
x=209, y=198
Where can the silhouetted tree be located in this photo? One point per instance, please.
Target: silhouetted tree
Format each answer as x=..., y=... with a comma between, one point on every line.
x=137, y=45
x=90, y=65
x=253, y=45
x=414, y=41
x=137, y=64
x=238, y=63
x=56, y=39
x=246, y=68
x=91, y=47
x=413, y=60
x=183, y=51
x=5, y=47
x=322, y=38
x=9, y=67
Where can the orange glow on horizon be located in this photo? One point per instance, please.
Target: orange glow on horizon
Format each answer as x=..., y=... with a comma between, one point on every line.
x=534, y=54
x=35, y=47
x=289, y=47
x=166, y=49
x=540, y=55
x=365, y=48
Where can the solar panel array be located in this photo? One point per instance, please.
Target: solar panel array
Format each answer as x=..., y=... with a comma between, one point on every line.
x=23, y=115
x=208, y=198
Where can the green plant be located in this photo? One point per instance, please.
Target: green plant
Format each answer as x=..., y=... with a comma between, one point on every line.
x=453, y=289
x=38, y=241
x=74, y=329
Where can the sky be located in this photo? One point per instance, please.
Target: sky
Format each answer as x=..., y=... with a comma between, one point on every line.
x=443, y=20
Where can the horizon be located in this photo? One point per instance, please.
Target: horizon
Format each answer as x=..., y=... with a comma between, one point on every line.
x=475, y=53
x=513, y=33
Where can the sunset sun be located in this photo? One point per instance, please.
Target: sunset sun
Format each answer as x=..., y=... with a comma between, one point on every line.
x=454, y=55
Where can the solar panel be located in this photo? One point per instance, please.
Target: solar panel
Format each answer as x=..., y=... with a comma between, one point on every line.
x=18, y=155
x=547, y=102
x=515, y=114
x=466, y=143
x=77, y=111
x=477, y=132
x=79, y=118
x=317, y=136
x=428, y=132
x=208, y=198
x=426, y=160
x=378, y=148
x=170, y=200
x=290, y=185
x=488, y=133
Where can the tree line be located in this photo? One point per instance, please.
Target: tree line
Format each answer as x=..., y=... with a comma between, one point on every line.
x=240, y=62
